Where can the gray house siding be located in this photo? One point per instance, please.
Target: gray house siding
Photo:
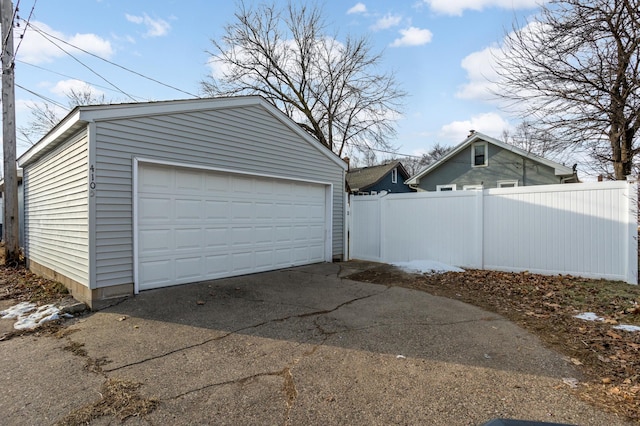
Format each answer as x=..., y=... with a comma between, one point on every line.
x=56, y=210
x=386, y=184
x=247, y=139
x=502, y=165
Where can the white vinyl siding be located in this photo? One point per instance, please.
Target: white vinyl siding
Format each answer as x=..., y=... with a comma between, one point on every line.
x=57, y=211
x=246, y=139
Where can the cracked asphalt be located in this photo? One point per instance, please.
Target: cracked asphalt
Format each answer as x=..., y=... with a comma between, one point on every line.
x=299, y=346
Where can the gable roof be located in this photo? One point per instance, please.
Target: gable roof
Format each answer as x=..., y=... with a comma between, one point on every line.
x=361, y=178
x=559, y=169
x=81, y=116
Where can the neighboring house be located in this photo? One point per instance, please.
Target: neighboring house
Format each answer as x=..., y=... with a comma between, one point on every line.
x=481, y=161
x=388, y=177
x=129, y=197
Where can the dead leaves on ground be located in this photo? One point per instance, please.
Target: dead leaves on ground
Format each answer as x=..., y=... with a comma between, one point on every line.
x=22, y=285
x=546, y=306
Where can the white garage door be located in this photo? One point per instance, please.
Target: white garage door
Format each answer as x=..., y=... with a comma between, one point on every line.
x=195, y=225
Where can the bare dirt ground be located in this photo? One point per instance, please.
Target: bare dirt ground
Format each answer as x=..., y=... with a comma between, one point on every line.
x=547, y=306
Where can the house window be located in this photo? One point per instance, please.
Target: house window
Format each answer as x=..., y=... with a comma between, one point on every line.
x=472, y=187
x=479, y=154
x=507, y=183
x=394, y=176
x=451, y=187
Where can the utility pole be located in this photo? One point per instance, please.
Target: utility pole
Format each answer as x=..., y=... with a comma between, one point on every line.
x=10, y=196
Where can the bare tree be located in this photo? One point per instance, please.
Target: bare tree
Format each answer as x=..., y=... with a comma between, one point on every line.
x=44, y=116
x=415, y=164
x=573, y=71
x=528, y=137
x=332, y=89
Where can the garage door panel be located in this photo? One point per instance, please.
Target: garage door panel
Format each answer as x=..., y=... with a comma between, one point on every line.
x=263, y=210
x=217, y=265
x=188, y=238
x=153, y=241
x=263, y=234
x=263, y=187
x=156, y=273
x=216, y=209
x=283, y=211
x=216, y=238
x=189, y=181
x=263, y=259
x=283, y=234
x=241, y=236
x=154, y=208
x=187, y=209
x=156, y=179
x=188, y=268
x=241, y=185
x=216, y=184
x=205, y=225
x=242, y=262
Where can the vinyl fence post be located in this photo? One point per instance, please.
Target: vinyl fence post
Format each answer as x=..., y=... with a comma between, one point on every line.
x=479, y=235
x=631, y=195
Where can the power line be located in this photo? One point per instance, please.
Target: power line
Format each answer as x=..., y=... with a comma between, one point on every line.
x=113, y=63
x=72, y=77
x=6, y=39
x=46, y=37
x=15, y=53
x=43, y=97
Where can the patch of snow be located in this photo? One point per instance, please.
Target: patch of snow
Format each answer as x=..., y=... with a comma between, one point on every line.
x=29, y=321
x=589, y=316
x=16, y=311
x=426, y=267
x=627, y=327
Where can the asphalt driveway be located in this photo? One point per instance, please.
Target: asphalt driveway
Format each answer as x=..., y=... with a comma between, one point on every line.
x=293, y=347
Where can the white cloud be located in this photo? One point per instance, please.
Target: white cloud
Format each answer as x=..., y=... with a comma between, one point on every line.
x=63, y=87
x=482, y=77
x=386, y=21
x=413, y=36
x=37, y=49
x=457, y=7
x=357, y=8
x=155, y=27
x=490, y=123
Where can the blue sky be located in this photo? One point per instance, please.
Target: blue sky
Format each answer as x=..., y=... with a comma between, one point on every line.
x=440, y=51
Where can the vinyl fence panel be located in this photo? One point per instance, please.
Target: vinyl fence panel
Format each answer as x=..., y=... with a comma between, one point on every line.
x=588, y=230
x=431, y=226
x=570, y=229
x=364, y=231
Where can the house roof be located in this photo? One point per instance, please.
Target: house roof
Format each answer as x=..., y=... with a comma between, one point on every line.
x=362, y=178
x=81, y=116
x=559, y=169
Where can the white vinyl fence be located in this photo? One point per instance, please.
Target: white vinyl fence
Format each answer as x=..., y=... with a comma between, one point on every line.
x=587, y=229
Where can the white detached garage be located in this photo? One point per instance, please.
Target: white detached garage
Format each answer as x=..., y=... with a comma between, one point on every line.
x=129, y=197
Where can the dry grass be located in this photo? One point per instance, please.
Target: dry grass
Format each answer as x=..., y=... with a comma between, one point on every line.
x=120, y=399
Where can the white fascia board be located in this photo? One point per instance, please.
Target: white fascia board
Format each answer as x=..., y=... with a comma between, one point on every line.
x=68, y=122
